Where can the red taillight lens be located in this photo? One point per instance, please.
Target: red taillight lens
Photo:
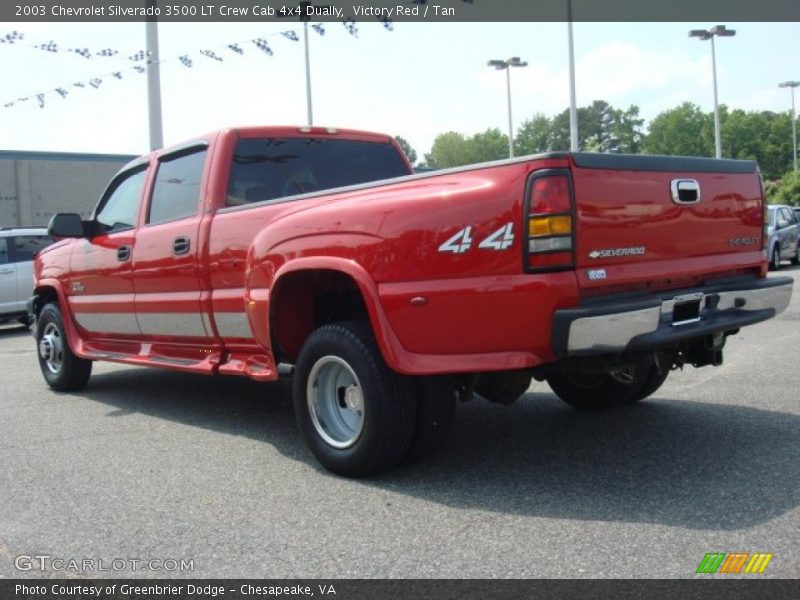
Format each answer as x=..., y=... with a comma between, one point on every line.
x=550, y=195
x=551, y=224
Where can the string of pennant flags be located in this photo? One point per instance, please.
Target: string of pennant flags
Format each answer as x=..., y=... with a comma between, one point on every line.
x=143, y=57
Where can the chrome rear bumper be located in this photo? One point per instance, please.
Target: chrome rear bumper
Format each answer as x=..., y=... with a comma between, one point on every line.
x=628, y=325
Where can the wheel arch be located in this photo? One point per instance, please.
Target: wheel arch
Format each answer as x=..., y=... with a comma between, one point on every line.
x=310, y=292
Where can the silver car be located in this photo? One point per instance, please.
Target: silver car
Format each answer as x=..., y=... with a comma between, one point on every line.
x=784, y=236
x=17, y=248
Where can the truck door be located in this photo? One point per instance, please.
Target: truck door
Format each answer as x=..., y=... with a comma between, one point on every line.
x=100, y=292
x=166, y=273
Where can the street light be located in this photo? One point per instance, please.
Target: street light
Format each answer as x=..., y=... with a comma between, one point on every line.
x=708, y=34
x=573, y=107
x=501, y=65
x=791, y=85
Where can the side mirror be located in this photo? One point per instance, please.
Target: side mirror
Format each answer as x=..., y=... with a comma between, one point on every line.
x=782, y=223
x=66, y=225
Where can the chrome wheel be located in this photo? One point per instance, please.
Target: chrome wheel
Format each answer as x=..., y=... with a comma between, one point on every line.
x=51, y=348
x=335, y=402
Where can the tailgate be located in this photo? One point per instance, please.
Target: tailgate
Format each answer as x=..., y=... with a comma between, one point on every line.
x=653, y=222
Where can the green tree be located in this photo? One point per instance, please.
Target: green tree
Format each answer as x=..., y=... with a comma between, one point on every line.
x=788, y=189
x=601, y=128
x=453, y=149
x=449, y=149
x=492, y=144
x=410, y=152
x=685, y=131
x=533, y=136
x=761, y=136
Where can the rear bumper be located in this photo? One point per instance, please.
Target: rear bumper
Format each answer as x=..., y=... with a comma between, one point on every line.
x=630, y=325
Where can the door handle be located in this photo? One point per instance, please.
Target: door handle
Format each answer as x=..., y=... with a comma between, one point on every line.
x=181, y=245
x=123, y=253
x=6, y=271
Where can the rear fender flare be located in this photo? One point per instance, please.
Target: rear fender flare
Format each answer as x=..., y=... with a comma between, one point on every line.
x=259, y=313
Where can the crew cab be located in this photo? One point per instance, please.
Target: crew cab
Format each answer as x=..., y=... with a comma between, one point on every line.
x=392, y=295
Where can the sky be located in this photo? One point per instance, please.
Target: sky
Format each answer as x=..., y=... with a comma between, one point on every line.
x=417, y=81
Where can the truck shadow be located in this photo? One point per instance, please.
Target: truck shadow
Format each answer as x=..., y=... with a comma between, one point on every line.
x=678, y=463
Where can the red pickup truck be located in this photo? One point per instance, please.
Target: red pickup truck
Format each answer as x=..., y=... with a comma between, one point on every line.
x=392, y=295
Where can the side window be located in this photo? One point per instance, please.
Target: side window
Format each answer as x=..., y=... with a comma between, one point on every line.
x=3, y=251
x=118, y=209
x=25, y=246
x=790, y=214
x=176, y=192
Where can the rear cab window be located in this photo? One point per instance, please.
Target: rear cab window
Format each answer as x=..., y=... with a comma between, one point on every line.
x=276, y=167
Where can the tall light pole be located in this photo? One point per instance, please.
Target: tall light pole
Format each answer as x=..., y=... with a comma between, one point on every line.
x=709, y=34
x=506, y=65
x=153, y=83
x=791, y=85
x=573, y=107
x=305, y=17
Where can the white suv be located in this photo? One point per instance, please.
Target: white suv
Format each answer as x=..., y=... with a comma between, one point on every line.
x=17, y=248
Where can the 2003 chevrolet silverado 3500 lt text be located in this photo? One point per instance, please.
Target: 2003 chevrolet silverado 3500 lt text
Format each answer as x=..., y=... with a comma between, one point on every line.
x=394, y=294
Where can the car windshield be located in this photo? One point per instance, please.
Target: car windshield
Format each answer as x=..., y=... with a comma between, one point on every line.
x=772, y=212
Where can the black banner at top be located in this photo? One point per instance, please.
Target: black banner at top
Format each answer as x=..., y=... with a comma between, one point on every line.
x=433, y=11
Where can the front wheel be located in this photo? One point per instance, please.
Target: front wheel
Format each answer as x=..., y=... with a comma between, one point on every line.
x=62, y=369
x=356, y=415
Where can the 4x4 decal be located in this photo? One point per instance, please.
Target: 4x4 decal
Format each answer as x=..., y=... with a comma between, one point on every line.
x=461, y=242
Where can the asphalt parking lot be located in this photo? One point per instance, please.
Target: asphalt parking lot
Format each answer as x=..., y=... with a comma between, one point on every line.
x=147, y=464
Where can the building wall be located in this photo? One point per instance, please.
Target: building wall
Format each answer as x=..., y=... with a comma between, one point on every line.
x=36, y=185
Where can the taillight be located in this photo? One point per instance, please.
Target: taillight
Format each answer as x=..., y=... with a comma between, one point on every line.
x=765, y=229
x=549, y=215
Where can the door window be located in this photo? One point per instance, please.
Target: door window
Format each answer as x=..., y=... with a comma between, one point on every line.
x=3, y=251
x=176, y=192
x=117, y=210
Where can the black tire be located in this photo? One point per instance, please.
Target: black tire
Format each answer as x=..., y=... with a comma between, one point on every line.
x=796, y=257
x=436, y=411
x=63, y=370
x=343, y=359
x=600, y=391
x=775, y=259
x=654, y=381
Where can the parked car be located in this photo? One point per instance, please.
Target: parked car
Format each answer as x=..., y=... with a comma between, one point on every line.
x=784, y=236
x=17, y=249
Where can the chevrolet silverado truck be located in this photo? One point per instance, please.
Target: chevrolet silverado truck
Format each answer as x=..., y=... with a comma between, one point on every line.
x=391, y=295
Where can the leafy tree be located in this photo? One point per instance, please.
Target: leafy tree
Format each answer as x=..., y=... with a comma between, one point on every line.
x=601, y=128
x=788, y=189
x=685, y=131
x=533, y=136
x=449, y=149
x=492, y=144
x=410, y=152
x=452, y=149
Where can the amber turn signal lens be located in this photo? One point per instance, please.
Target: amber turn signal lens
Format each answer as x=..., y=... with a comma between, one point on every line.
x=561, y=225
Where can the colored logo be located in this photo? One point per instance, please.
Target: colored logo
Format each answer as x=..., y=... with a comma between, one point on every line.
x=734, y=563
